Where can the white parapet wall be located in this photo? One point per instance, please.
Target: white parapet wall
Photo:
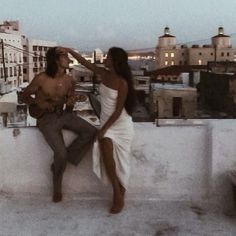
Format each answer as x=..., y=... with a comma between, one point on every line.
x=171, y=162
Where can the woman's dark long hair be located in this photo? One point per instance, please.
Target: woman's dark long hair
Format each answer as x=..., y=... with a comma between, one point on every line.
x=52, y=56
x=120, y=64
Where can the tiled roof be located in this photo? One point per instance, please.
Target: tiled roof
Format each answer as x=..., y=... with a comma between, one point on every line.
x=177, y=69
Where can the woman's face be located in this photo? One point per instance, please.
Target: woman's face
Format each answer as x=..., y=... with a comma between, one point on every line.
x=108, y=61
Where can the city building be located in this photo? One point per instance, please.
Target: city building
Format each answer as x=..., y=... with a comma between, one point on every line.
x=169, y=53
x=172, y=101
x=186, y=74
x=218, y=94
x=23, y=57
x=35, y=56
x=11, y=56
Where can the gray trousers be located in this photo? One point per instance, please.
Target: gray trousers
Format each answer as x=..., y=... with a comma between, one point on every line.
x=51, y=126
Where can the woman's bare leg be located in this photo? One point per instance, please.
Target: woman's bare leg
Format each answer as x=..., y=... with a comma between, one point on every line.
x=106, y=147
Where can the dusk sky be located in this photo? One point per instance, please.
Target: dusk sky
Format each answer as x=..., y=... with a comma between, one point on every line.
x=131, y=24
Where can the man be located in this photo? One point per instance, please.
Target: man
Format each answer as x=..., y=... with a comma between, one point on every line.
x=53, y=90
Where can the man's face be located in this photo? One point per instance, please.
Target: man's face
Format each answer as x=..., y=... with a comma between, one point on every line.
x=64, y=61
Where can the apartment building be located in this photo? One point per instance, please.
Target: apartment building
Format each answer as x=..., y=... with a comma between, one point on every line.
x=169, y=53
x=11, y=52
x=23, y=57
x=35, y=56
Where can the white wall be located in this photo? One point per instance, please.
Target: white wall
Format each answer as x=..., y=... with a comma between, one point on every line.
x=168, y=162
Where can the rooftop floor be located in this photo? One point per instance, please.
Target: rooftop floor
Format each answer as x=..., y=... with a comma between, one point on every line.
x=27, y=216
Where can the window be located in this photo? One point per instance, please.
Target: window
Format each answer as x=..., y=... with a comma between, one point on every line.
x=222, y=54
x=199, y=62
x=10, y=71
x=34, y=59
x=228, y=54
x=19, y=71
x=35, y=70
x=199, y=53
x=40, y=48
x=177, y=106
x=211, y=53
x=6, y=58
x=25, y=59
x=10, y=58
x=172, y=54
x=172, y=63
x=25, y=71
x=180, y=62
x=34, y=48
x=142, y=82
x=166, y=54
x=182, y=53
x=15, y=73
x=166, y=63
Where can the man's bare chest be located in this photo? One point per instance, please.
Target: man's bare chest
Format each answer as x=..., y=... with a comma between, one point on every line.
x=55, y=87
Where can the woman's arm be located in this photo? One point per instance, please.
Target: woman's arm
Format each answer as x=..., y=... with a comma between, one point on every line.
x=83, y=61
x=71, y=97
x=122, y=95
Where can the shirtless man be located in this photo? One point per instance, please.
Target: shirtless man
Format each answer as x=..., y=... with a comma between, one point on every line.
x=53, y=90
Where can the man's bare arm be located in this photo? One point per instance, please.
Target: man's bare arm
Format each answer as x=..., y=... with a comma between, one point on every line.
x=31, y=89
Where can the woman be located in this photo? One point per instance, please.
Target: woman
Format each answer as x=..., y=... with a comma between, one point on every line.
x=112, y=148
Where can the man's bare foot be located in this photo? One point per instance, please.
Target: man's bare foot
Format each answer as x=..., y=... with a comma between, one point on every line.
x=57, y=197
x=118, y=205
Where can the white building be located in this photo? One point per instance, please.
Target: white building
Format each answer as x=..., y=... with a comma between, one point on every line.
x=23, y=57
x=11, y=46
x=169, y=53
x=10, y=27
x=35, y=56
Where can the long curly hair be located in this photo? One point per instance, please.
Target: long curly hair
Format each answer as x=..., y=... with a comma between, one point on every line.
x=51, y=57
x=120, y=64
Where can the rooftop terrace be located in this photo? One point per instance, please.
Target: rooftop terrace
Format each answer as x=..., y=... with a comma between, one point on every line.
x=179, y=184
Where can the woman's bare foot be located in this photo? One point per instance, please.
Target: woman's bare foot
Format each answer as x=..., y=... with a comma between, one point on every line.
x=118, y=204
x=57, y=197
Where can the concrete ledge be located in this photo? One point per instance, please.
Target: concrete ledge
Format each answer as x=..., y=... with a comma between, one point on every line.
x=168, y=163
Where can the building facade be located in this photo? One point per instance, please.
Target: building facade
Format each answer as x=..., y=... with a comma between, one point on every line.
x=23, y=57
x=169, y=53
x=11, y=56
x=172, y=101
x=35, y=57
